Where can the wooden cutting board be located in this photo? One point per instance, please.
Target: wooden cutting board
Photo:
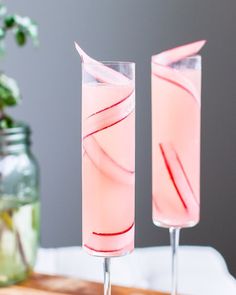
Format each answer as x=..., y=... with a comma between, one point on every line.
x=40, y=284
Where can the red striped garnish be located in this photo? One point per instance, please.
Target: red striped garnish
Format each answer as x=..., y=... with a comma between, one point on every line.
x=107, y=126
x=102, y=250
x=115, y=163
x=118, y=173
x=172, y=176
x=113, y=105
x=175, y=83
x=161, y=66
x=178, y=53
x=107, y=157
x=100, y=71
x=99, y=122
x=110, y=115
x=115, y=234
x=186, y=176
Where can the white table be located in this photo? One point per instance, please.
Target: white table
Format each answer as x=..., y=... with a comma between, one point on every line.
x=202, y=270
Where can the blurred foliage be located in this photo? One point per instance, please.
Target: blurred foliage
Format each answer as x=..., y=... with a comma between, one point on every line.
x=23, y=29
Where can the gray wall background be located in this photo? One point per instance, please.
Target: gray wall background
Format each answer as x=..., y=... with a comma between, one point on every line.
x=50, y=77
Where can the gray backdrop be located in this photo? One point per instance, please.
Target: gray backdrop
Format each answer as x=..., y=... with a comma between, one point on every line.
x=50, y=77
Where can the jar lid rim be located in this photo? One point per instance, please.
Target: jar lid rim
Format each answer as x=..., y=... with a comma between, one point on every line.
x=20, y=127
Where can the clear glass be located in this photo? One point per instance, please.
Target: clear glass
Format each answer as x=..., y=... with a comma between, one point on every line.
x=19, y=205
x=108, y=160
x=176, y=148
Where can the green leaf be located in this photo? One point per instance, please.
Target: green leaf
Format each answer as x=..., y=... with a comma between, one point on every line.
x=29, y=27
x=9, y=91
x=20, y=37
x=6, y=122
x=9, y=21
x=22, y=27
x=33, y=33
x=24, y=22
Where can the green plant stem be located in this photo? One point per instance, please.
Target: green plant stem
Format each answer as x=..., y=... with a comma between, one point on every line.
x=18, y=240
x=1, y=232
x=1, y=113
x=22, y=252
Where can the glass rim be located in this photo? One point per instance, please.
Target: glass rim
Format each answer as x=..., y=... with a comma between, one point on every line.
x=194, y=56
x=111, y=63
x=20, y=127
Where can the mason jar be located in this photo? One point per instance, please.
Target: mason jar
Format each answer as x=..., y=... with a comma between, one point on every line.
x=19, y=205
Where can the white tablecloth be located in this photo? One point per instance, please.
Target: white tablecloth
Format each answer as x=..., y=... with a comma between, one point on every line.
x=202, y=270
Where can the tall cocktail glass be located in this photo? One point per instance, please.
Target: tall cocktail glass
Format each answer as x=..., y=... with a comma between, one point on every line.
x=108, y=160
x=176, y=87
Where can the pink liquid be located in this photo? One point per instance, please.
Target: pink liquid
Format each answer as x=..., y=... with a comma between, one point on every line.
x=176, y=147
x=108, y=120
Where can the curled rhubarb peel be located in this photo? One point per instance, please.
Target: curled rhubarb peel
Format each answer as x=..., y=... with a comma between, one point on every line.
x=114, y=105
x=175, y=77
x=115, y=234
x=98, y=122
x=113, y=115
x=110, y=167
x=179, y=178
x=101, y=120
x=161, y=67
x=99, y=71
x=106, y=117
x=103, y=250
x=176, y=54
x=111, y=240
x=163, y=152
x=186, y=177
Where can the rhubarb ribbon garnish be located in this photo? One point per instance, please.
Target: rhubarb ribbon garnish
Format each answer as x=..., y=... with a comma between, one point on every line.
x=179, y=178
x=110, y=167
x=109, y=116
x=115, y=234
x=98, y=121
x=103, y=250
x=161, y=67
x=111, y=240
x=99, y=71
x=106, y=118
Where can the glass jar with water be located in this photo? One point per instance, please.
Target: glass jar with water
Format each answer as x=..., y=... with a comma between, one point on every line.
x=19, y=205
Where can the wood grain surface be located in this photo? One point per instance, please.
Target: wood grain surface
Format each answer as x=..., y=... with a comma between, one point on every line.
x=40, y=284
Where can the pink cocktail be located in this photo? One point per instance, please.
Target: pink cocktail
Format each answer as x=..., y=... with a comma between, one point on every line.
x=108, y=120
x=176, y=106
x=176, y=145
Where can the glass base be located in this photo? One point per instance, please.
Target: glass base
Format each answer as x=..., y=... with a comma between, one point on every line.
x=167, y=225
x=120, y=253
x=6, y=281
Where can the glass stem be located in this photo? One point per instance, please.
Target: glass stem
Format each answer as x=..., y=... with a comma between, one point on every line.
x=107, y=276
x=174, y=241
